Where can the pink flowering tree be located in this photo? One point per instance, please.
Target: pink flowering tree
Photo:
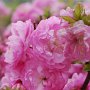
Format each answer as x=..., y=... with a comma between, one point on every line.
x=46, y=48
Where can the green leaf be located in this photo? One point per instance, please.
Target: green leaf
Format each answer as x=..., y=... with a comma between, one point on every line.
x=69, y=19
x=78, y=12
x=87, y=66
x=86, y=20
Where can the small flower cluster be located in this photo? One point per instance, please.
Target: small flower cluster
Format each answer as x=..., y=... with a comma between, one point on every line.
x=46, y=47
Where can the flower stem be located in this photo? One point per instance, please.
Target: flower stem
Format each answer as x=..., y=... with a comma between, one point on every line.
x=86, y=81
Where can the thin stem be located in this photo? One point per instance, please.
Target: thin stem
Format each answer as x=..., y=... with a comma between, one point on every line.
x=86, y=81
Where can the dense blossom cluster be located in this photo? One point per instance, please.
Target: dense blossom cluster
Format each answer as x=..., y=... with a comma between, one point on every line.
x=45, y=47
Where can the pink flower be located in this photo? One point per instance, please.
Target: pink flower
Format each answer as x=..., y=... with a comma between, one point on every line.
x=43, y=4
x=11, y=82
x=21, y=12
x=67, y=12
x=28, y=12
x=76, y=82
x=45, y=58
x=44, y=78
x=56, y=7
x=4, y=10
x=2, y=63
x=86, y=7
x=5, y=81
x=35, y=13
x=36, y=10
x=78, y=42
x=18, y=86
x=2, y=67
x=17, y=52
x=75, y=68
x=20, y=38
x=47, y=41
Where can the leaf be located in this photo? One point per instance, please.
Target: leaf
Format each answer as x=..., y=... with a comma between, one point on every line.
x=86, y=19
x=78, y=11
x=87, y=66
x=69, y=19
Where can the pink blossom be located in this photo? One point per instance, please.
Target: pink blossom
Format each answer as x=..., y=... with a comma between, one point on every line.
x=75, y=68
x=44, y=78
x=20, y=37
x=28, y=12
x=45, y=58
x=35, y=13
x=50, y=67
x=76, y=82
x=67, y=12
x=17, y=52
x=86, y=7
x=21, y=12
x=77, y=42
x=5, y=81
x=12, y=82
x=2, y=63
x=43, y=4
x=18, y=86
x=2, y=67
x=4, y=10
x=36, y=10
x=56, y=7
x=46, y=40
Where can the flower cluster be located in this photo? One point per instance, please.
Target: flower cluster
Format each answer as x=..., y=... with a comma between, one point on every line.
x=46, y=47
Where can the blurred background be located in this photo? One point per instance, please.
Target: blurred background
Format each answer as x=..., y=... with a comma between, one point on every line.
x=14, y=3
x=5, y=20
